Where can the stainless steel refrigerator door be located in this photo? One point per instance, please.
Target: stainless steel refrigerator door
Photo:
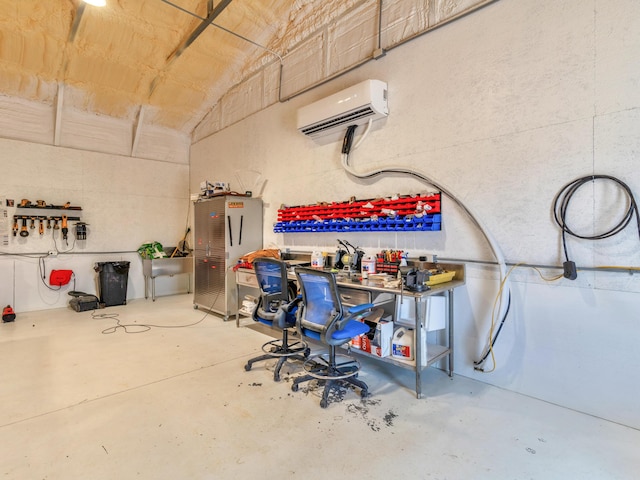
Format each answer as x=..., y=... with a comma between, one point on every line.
x=209, y=291
x=225, y=229
x=243, y=235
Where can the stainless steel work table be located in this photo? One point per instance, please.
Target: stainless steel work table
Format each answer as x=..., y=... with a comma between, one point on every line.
x=435, y=351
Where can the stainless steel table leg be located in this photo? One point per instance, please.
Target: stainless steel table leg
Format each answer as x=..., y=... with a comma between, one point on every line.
x=450, y=323
x=418, y=345
x=237, y=305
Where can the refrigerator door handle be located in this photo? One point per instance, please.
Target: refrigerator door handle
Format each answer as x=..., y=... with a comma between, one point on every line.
x=230, y=231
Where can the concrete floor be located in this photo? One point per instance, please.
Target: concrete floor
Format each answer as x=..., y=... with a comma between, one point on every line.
x=82, y=399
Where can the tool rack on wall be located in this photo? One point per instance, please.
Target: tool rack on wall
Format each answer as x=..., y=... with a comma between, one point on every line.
x=402, y=214
x=47, y=217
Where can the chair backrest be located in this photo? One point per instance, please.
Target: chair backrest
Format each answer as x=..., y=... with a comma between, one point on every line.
x=271, y=274
x=321, y=307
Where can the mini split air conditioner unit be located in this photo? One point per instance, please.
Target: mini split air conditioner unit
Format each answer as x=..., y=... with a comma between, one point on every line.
x=355, y=105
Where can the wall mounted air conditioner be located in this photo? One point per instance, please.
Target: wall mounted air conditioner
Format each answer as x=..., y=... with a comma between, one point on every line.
x=352, y=106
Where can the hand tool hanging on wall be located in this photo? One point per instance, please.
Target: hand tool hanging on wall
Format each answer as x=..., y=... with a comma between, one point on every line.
x=32, y=225
x=40, y=226
x=55, y=223
x=48, y=222
x=65, y=228
x=15, y=226
x=23, y=230
x=81, y=231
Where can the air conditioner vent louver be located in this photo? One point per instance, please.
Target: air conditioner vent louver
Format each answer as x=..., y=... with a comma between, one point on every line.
x=338, y=121
x=354, y=106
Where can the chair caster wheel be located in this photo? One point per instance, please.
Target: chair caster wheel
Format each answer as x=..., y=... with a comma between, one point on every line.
x=247, y=367
x=294, y=387
x=324, y=403
x=276, y=378
x=364, y=393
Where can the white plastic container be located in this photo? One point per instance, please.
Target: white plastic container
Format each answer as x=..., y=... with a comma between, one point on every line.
x=436, y=312
x=317, y=260
x=402, y=344
x=368, y=265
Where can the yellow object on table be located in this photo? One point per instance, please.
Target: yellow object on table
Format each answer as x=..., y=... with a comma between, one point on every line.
x=440, y=278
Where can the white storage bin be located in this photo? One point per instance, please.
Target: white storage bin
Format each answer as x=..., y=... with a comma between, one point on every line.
x=436, y=306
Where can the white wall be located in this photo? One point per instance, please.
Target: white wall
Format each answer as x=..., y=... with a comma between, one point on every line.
x=125, y=200
x=504, y=107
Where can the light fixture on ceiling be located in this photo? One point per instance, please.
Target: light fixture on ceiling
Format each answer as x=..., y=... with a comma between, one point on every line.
x=96, y=3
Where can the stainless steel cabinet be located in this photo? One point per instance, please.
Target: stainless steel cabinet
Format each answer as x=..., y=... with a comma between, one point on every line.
x=225, y=228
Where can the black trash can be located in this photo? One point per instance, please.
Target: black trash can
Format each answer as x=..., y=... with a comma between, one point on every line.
x=112, y=282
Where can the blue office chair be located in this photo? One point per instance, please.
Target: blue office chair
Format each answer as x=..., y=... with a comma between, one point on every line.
x=277, y=308
x=321, y=317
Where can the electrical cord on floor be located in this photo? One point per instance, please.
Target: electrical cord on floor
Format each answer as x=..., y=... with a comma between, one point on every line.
x=561, y=205
x=136, y=327
x=114, y=316
x=143, y=327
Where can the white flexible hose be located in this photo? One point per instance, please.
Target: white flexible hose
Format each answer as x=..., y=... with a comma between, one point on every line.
x=364, y=134
x=495, y=248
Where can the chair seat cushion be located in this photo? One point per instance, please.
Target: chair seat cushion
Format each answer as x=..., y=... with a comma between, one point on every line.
x=266, y=322
x=351, y=329
x=311, y=334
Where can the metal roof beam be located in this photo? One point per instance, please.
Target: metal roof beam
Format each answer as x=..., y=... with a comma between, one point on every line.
x=213, y=14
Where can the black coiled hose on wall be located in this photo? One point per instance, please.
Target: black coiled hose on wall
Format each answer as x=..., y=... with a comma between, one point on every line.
x=564, y=196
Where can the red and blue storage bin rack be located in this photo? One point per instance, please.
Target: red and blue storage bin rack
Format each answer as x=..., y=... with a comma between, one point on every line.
x=405, y=214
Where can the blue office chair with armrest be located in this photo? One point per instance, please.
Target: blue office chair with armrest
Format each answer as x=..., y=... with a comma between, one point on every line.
x=276, y=308
x=321, y=317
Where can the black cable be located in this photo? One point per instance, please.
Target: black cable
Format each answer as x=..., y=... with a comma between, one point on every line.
x=145, y=327
x=43, y=274
x=495, y=337
x=348, y=139
x=55, y=245
x=118, y=325
x=564, y=196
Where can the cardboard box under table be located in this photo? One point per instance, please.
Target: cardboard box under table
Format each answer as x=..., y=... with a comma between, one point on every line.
x=378, y=340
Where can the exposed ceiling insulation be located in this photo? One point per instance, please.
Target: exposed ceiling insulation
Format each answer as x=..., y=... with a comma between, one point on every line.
x=70, y=71
x=130, y=53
